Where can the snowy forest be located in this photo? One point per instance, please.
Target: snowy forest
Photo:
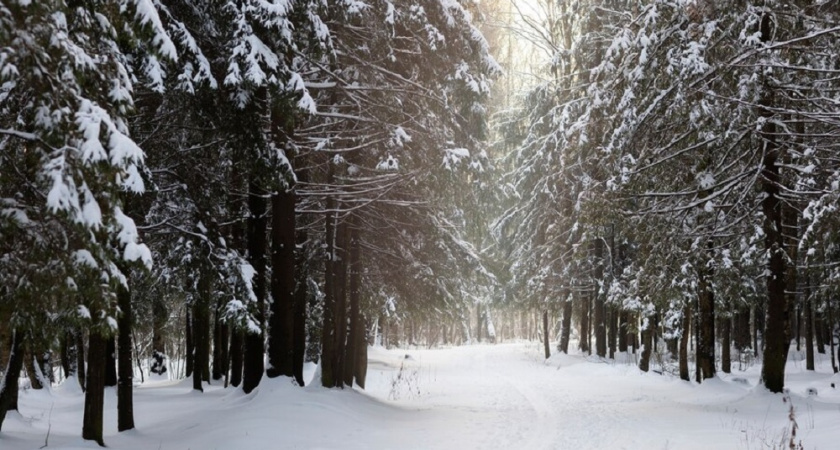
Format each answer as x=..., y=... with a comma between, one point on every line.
x=276, y=203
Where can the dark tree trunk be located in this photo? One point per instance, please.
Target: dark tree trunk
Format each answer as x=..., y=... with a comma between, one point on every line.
x=8, y=394
x=622, y=332
x=216, y=370
x=831, y=336
x=356, y=332
x=361, y=357
x=566, y=330
x=125, y=386
x=69, y=357
x=160, y=313
x=584, y=323
x=224, y=350
x=282, y=322
x=111, y=362
x=647, y=347
x=328, y=350
x=600, y=311
x=80, y=355
x=35, y=381
x=684, y=340
x=706, y=324
x=253, y=364
x=613, y=330
x=776, y=334
x=301, y=290
x=819, y=330
x=546, y=342
x=726, y=344
x=341, y=316
x=95, y=393
x=201, y=329
x=190, y=344
x=236, y=356
x=809, y=334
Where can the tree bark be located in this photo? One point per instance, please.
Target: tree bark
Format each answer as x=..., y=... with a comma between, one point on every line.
x=236, y=356
x=282, y=322
x=584, y=323
x=328, y=350
x=613, y=330
x=684, y=340
x=125, y=386
x=340, y=291
x=253, y=363
x=356, y=332
x=95, y=393
x=776, y=323
x=111, y=362
x=706, y=325
x=566, y=329
x=201, y=329
x=361, y=365
x=647, y=347
x=190, y=350
x=216, y=372
x=9, y=385
x=726, y=344
x=809, y=334
x=546, y=344
x=600, y=311
x=160, y=315
x=622, y=332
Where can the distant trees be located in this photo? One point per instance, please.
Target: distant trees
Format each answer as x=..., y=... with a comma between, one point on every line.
x=695, y=152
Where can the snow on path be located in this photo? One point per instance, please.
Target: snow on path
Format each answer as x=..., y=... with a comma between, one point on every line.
x=476, y=397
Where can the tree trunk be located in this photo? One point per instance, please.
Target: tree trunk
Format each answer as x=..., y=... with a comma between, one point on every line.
x=706, y=324
x=282, y=322
x=726, y=344
x=613, y=330
x=600, y=312
x=776, y=323
x=584, y=323
x=201, y=329
x=95, y=393
x=35, y=381
x=831, y=336
x=125, y=386
x=546, y=344
x=622, y=332
x=819, y=330
x=647, y=347
x=566, y=329
x=9, y=384
x=356, y=325
x=236, y=356
x=301, y=288
x=111, y=362
x=328, y=350
x=340, y=291
x=684, y=340
x=190, y=344
x=160, y=313
x=216, y=372
x=809, y=334
x=80, y=355
x=361, y=356
x=253, y=364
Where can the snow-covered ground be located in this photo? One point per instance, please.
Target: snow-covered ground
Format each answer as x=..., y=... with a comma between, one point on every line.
x=475, y=397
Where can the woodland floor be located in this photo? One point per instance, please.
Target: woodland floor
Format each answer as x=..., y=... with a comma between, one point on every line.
x=502, y=396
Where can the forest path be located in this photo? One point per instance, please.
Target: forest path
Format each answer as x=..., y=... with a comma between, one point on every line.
x=504, y=396
x=507, y=396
